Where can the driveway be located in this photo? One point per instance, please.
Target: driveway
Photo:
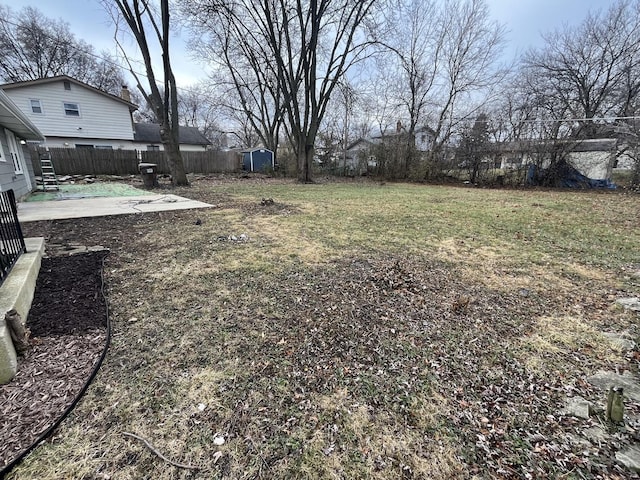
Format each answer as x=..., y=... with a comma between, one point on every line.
x=102, y=206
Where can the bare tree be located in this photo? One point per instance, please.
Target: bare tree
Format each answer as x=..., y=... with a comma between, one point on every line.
x=446, y=56
x=474, y=151
x=593, y=69
x=34, y=46
x=241, y=73
x=140, y=15
x=197, y=107
x=584, y=83
x=415, y=38
x=308, y=46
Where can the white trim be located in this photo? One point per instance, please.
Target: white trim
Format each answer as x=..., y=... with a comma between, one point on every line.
x=3, y=157
x=15, y=150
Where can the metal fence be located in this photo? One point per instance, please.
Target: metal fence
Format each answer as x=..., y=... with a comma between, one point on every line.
x=11, y=238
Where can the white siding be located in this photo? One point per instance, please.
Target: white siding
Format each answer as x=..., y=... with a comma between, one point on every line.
x=115, y=144
x=100, y=117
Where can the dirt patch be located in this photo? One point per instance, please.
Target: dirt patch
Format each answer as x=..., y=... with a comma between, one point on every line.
x=68, y=333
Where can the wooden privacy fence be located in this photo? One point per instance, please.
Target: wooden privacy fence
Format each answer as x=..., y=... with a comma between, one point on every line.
x=89, y=161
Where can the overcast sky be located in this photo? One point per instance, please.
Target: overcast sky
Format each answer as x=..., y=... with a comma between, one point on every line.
x=524, y=20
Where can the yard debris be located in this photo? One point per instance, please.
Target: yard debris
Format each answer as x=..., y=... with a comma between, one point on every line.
x=630, y=458
x=623, y=341
x=630, y=303
x=615, y=406
x=160, y=455
x=216, y=456
x=578, y=407
x=266, y=201
x=218, y=440
x=242, y=238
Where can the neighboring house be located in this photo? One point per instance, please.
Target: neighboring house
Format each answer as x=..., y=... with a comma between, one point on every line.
x=147, y=137
x=16, y=169
x=72, y=114
x=592, y=158
x=360, y=156
x=423, y=137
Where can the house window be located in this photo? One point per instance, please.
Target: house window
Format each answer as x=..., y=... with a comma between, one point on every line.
x=153, y=148
x=36, y=106
x=67, y=85
x=83, y=145
x=103, y=147
x=71, y=109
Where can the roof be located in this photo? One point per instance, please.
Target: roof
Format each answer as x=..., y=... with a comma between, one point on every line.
x=574, y=145
x=255, y=149
x=357, y=142
x=395, y=133
x=61, y=78
x=150, y=133
x=13, y=119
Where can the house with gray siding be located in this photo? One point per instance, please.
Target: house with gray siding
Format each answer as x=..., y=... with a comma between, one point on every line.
x=16, y=169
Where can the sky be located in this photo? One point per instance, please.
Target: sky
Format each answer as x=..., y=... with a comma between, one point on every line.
x=524, y=20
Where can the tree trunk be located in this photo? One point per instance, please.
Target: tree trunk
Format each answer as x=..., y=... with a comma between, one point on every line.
x=174, y=157
x=305, y=160
x=176, y=165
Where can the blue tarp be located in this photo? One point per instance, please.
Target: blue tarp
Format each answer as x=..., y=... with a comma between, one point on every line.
x=565, y=176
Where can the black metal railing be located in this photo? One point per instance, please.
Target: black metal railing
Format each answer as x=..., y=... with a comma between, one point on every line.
x=11, y=238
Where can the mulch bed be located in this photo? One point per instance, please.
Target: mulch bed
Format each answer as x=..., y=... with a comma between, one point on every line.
x=68, y=323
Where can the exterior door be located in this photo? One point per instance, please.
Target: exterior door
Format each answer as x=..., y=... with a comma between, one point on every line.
x=15, y=152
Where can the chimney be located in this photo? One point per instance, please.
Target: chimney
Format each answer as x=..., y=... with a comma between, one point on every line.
x=125, y=94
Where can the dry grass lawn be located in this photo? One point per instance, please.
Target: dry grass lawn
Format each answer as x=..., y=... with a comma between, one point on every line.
x=361, y=331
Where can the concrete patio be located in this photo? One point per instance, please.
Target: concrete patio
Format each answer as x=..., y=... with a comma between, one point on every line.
x=103, y=206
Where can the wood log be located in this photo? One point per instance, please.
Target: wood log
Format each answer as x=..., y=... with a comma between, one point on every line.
x=18, y=331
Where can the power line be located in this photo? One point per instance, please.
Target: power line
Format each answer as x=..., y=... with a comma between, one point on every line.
x=591, y=119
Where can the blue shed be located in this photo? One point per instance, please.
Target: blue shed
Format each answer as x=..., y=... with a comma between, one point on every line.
x=257, y=160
